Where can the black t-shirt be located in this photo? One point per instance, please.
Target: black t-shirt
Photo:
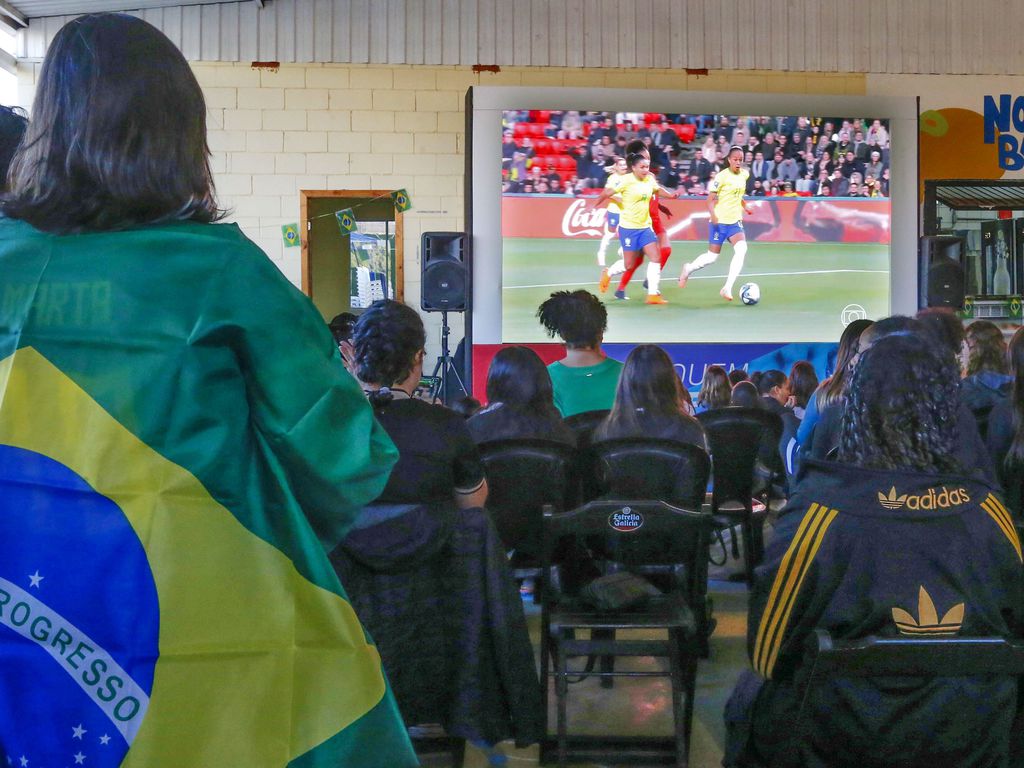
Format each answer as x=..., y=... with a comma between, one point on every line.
x=507, y=422
x=436, y=456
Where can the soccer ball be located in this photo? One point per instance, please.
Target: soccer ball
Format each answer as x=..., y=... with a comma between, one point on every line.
x=750, y=293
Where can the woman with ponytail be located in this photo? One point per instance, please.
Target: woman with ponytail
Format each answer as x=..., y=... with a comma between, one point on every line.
x=438, y=460
x=1006, y=428
x=585, y=379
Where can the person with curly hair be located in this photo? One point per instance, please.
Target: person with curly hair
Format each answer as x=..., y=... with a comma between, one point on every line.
x=986, y=381
x=438, y=460
x=586, y=378
x=1006, y=429
x=892, y=540
x=520, y=401
x=715, y=389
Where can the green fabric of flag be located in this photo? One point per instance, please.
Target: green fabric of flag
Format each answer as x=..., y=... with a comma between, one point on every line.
x=346, y=220
x=401, y=200
x=170, y=381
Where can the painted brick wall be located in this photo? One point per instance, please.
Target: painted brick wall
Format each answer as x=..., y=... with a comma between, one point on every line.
x=330, y=126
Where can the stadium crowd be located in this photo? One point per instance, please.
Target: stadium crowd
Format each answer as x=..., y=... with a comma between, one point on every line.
x=571, y=153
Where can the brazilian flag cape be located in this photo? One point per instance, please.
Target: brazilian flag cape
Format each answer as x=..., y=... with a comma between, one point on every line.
x=179, y=445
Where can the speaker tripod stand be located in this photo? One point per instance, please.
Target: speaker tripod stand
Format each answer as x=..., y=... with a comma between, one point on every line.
x=445, y=366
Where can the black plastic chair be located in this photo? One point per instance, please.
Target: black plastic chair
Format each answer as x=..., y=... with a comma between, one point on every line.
x=583, y=426
x=628, y=536
x=736, y=436
x=524, y=475
x=902, y=658
x=648, y=468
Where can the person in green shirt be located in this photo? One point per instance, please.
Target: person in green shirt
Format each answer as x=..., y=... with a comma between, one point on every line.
x=586, y=378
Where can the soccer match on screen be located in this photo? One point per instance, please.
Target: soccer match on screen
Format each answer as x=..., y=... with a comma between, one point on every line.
x=696, y=228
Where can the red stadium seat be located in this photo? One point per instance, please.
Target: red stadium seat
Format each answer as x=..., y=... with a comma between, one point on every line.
x=557, y=146
x=685, y=133
x=537, y=130
x=653, y=117
x=566, y=163
x=520, y=129
x=586, y=129
x=542, y=146
x=534, y=115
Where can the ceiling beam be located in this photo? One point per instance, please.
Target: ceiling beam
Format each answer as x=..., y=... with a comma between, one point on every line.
x=9, y=13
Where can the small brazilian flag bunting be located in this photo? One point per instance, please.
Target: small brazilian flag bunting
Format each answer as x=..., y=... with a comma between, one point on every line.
x=346, y=220
x=402, y=200
x=290, y=234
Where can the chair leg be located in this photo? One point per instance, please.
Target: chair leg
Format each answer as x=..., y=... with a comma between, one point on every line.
x=690, y=683
x=748, y=551
x=678, y=689
x=735, y=543
x=562, y=694
x=545, y=671
x=458, y=753
x=607, y=662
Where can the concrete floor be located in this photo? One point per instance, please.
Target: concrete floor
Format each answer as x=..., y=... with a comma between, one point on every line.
x=641, y=706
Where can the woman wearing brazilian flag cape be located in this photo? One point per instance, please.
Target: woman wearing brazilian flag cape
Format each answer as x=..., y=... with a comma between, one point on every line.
x=179, y=444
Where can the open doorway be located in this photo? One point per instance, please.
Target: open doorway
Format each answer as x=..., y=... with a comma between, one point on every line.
x=348, y=271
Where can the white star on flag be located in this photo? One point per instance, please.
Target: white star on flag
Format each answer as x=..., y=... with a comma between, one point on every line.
x=23, y=761
x=104, y=739
x=79, y=758
x=78, y=731
x=35, y=578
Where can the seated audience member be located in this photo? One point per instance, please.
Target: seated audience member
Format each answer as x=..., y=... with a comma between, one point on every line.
x=986, y=379
x=870, y=568
x=773, y=387
x=438, y=460
x=745, y=395
x=736, y=375
x=1006, y=429
x=466, y=407
x=585, y=379
x=520, y=401
x=12, y=127
x=715, y=390
x=833, y=389
x=650, y=402
x=803, y=381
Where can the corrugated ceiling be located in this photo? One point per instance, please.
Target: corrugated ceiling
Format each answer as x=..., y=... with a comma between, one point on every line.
x=33, y=9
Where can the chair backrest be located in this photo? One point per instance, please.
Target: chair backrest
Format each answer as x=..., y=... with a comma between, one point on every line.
x=735, y=435
x=583, y=426
x=906, y=657
x=632, y=534
x=648, y=468
x=524, y=475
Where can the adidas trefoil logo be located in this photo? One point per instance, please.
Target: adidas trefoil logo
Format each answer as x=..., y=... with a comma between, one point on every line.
x=892, y=501
x=928, y=622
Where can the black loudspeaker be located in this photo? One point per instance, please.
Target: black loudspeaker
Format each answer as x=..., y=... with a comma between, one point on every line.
x=444, y=279
x=940, y=275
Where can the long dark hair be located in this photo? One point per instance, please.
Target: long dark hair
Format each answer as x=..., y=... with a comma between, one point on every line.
x=1015, y=353
x=833, y=388
x=386, y=339
x=578, y=317
x=715, y=390
x=118, y=133
x=12, y=127
x=987, y=348
x=803, y=380
x=518, y=377
x=901, y=408
x=649, y=389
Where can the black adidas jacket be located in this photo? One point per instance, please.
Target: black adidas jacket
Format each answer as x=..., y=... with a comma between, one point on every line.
x=861, y=552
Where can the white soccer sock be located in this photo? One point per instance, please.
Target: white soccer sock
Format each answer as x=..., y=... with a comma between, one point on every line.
x=701, y=261
x=617, y=268
x=736, y=265
x=603, y=247
x=653, y=277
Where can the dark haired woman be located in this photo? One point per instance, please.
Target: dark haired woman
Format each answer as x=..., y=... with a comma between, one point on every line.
x=437, y=459
x=803, y=381
x=12, y=127
x=893, y=540
x=191, y=418
x=715, y=390
x=726, y=206
x=520, y=401
x=585, y=379
x=832, y=390
x=650, y=402
x=1006, y=429
x=986, y=381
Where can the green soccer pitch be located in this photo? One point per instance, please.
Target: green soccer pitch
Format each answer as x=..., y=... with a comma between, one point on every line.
x=805, y=290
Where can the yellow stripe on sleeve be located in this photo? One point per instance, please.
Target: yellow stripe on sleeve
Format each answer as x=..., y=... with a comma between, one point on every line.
x=1003, y=519
x=784, y=580
x=777, y=641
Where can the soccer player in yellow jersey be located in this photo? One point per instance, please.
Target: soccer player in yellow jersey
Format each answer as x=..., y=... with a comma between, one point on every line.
x=617, y=173
x=727, y=206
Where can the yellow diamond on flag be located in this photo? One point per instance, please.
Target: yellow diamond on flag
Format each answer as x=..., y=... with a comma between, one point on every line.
x=346, y=220
x=290, y=235
x=401, y=200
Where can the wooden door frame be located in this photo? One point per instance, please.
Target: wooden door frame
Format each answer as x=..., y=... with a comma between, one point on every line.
x=305, y=195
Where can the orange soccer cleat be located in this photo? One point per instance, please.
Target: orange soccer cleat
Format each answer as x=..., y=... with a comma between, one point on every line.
x=655, y=298
x=603, y=283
